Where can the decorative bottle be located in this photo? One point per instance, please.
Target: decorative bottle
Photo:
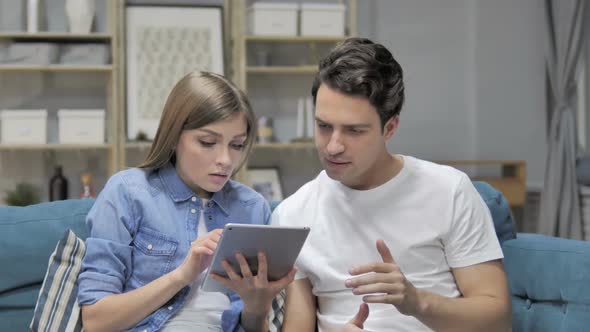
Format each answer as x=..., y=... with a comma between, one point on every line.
x=58, y=186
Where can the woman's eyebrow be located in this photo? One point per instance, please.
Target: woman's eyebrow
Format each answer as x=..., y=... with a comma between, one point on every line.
x=214, y=133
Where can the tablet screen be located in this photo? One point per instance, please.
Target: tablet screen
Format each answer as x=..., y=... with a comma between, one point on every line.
x=280, y=244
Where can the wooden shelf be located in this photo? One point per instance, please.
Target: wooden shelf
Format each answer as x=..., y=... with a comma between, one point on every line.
x=511, y=182
x=56, y=68
x=482, y=162
x=295, y=39
x=54, y=146
x=513, y=188
x=138, y=145
x=282, y=70
x=55, y=36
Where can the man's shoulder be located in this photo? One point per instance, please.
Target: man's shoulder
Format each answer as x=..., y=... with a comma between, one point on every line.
x=434, y=174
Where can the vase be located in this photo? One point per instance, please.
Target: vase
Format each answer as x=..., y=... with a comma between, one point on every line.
x=80, y=14
x=33, y=16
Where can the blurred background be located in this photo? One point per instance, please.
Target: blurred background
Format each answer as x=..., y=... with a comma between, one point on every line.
x=82, y=85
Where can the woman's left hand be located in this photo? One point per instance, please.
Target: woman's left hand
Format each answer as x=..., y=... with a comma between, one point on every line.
x=255, y=290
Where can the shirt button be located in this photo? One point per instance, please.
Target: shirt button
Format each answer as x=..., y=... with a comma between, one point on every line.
x=193, y=211
x=170, y=308
x=150, y=247
x=210, y=218
x=194, y=199
x=209, y=204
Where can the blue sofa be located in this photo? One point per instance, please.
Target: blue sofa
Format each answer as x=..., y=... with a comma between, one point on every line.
x=549, y=277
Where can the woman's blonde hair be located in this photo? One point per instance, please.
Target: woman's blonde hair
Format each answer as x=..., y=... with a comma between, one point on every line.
x=198, y=99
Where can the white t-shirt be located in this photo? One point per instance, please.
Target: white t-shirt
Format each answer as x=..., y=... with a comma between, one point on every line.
x=430, y=216
x=201, y=309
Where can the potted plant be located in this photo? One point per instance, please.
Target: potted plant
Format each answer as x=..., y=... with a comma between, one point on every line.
x=24, y=194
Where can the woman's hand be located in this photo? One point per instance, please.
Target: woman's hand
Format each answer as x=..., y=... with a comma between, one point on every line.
x=199, y=257
x=255, y=290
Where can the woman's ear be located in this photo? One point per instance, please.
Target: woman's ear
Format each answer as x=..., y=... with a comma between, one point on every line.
x=390, y=127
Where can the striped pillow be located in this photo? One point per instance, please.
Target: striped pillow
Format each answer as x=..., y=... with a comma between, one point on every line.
x=57, y=308
x=277, y=313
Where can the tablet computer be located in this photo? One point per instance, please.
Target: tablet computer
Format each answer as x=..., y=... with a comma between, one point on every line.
x=280, y=244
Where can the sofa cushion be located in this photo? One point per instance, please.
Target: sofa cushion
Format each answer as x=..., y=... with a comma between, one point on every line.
x=500, y=210
x=57, y=307
x=548, y=282
x=27, y=237
x=277, y=312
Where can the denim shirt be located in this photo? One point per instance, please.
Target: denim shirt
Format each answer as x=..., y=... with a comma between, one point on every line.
x=141, y=227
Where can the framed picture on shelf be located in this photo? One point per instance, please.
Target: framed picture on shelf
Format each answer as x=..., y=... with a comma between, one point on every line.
x=164, y=43
x=267, y=182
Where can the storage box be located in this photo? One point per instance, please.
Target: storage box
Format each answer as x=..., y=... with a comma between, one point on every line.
x=23, y=126
x=84, y=54
x=322, y=19
x=81, y=126
x=31, y=53
x=272, y=19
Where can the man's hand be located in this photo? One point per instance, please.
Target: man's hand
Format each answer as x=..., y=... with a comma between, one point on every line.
x=387, y=284
x=356, y=323
x=255, y=290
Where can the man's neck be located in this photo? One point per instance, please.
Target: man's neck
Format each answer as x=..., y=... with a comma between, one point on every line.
x=384, y=170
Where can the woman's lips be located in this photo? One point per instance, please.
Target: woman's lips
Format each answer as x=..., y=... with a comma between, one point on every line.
x=218, y=177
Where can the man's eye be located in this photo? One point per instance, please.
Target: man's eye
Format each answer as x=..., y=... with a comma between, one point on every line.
x=207, y=144
x=323, y=125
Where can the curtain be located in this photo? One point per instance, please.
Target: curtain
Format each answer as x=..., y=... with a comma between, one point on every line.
x=560, y=206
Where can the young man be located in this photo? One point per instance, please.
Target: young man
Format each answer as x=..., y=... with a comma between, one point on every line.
x=410, y=238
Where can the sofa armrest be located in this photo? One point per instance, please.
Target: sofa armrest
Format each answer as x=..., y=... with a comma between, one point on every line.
x=549, y=280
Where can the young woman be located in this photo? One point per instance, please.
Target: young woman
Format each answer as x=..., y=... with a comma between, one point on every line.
x=154, y=228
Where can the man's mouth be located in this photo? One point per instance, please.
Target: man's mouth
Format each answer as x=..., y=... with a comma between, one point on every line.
x=337, y=162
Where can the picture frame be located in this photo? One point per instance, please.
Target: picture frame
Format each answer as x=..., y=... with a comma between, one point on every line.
x=164, y=43
x=266, y=181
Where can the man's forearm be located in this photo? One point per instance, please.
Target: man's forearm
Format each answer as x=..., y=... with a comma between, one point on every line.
x=477, y=313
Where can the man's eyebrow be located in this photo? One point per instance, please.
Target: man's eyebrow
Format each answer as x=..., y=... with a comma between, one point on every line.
x=357, y=126
x=354, y=125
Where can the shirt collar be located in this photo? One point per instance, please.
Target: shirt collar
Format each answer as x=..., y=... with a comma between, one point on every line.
x=180, y=192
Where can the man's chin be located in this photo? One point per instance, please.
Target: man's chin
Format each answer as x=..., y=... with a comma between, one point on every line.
x=334, y=175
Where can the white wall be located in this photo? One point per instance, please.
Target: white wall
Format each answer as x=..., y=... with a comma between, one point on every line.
x=433, y=42
x=474, y=73
x=510, y=90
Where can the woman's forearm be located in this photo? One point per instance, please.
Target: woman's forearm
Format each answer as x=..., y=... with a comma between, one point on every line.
x=123, y=311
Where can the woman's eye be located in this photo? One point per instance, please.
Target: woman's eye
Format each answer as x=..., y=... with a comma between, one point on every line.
x=238, y=147
x=207, y=144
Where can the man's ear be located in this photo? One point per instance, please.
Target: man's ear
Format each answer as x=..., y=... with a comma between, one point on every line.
x=390, y=127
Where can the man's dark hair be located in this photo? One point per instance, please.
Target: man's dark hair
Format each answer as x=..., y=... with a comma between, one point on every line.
x=360, y=67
